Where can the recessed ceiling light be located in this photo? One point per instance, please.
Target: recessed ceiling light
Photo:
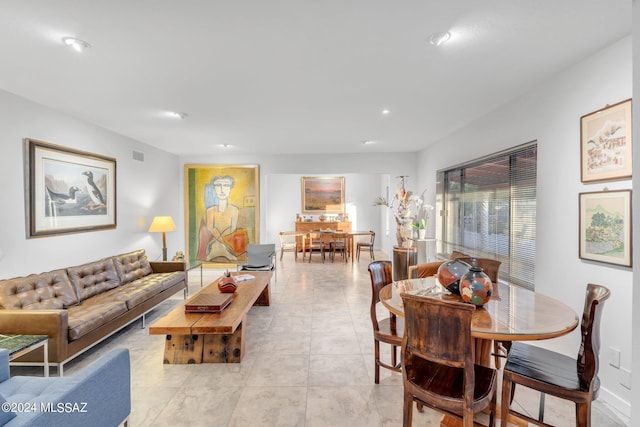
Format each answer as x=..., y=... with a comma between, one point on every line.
x=77, y=44
x=178, y=115
x=386, y=112
x=225, y=145
x=368, y=142
x=436, y=39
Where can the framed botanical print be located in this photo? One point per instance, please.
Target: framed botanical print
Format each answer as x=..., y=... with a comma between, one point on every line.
x=605, y=227
x=70, y=191
x=322, y=194
x=221, y=212
x=605, y=143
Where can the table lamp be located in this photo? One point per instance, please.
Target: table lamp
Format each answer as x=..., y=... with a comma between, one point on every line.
x=162, y=224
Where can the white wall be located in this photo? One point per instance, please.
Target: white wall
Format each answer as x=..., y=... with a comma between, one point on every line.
x=551, y=115
x=144, y=189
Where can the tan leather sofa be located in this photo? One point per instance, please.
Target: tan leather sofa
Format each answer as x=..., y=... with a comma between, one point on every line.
x=79, y=306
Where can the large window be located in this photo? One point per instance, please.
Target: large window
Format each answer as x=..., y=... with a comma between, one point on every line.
x=488, y=209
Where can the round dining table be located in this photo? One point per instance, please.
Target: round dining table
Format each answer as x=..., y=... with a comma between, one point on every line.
x=512, y=314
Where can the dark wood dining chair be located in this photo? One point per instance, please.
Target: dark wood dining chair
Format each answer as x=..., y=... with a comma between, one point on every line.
x=315, y=243
x=438, y=367
x=389, y=329
x=556, y=374
x=338, y=243
x=366, y=244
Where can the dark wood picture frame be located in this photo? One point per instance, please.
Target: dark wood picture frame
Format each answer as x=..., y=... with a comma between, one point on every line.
x=70, y=191
x=606, y=143
x=605, y=227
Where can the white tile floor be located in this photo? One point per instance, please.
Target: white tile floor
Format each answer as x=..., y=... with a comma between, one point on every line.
x=309, y=362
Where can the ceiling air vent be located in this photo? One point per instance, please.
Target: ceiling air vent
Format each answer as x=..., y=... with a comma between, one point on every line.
x=139, y=156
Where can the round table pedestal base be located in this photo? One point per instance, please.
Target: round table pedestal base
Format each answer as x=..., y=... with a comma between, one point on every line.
x=402, y=259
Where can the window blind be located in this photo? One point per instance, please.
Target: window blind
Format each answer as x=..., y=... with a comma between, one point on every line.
x=488, y=209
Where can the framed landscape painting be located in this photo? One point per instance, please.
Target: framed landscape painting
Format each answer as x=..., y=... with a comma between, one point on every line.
x=605, y=143
x=221, y=212
x=605, y=227
x=322, y=194
x=70, y=191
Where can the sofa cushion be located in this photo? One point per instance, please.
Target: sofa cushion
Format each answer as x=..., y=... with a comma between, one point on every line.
x=5, y=414
x=94, y=278
x=131, y=294
x=91, y=315
x=132, y=266
x=44, y=291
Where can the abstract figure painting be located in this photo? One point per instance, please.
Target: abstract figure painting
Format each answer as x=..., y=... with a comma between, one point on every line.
x=605, y=143
x=605, y=227
x=221, y=212
x=69, y=190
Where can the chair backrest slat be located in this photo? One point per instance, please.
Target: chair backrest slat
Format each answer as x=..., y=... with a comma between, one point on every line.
x=588, y=361
x=438, y=330
x=381, y=275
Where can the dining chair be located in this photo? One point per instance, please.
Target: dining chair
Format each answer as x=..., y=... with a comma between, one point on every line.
x=438, y=368
x=288, y=243
x=389, y=329
x=261, y=257
x=570, y=378
x=366, y=244
x=338, y=243
x=315, y=243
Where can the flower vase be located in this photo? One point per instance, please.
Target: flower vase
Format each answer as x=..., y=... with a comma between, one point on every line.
x=422, y=234
x=476, y=287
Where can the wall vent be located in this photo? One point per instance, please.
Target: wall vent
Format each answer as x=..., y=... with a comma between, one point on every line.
x=139, y=156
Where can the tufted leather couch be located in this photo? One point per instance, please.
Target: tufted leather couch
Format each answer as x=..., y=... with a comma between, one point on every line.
x=79, y=306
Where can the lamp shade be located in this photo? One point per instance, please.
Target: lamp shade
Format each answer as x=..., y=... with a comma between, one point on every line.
x=162, y=224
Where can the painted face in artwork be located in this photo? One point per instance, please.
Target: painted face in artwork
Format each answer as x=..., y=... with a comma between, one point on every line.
x=223, y=188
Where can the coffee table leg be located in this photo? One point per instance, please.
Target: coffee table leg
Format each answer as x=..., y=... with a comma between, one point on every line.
x=46, y=358
x=225, y=348
x=183, y=349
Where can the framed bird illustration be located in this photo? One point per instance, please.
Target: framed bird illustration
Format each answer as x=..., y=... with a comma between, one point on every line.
x=70, y=191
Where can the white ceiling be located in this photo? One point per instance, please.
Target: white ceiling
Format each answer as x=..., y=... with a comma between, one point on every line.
x=293, y=76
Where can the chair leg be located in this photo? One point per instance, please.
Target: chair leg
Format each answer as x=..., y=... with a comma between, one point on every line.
x=376, y=352
x=506, y=400
x=407, y=410
x=371, y=253
x=541, y=408
x=583, y=414
x=394, y=359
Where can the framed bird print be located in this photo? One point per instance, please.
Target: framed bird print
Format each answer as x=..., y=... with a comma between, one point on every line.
x=70, y=191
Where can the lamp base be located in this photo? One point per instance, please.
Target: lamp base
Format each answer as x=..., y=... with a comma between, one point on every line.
x=164, y=254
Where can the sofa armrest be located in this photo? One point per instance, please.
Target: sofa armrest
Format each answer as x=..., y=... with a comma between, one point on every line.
x=53, y=323
x=105, y=386
x=97, y=396
x=168, y=266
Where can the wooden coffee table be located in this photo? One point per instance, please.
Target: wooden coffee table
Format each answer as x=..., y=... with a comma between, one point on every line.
x=212, y=337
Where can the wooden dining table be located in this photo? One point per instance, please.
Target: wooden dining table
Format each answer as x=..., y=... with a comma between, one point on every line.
x=512, y=314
